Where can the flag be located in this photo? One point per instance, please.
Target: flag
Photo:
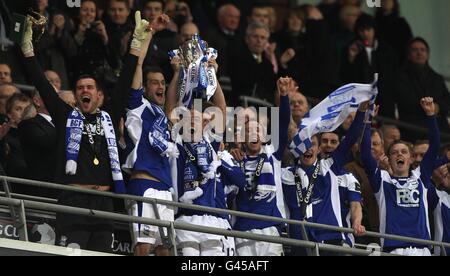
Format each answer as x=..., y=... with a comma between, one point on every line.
x=328, y=115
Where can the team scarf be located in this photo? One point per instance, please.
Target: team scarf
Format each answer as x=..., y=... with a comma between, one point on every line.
x=197, y=76
x=265, y=180
x=328, y=115
x=74, y=133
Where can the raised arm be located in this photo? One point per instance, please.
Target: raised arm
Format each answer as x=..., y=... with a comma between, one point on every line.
x=283, y=85
x=172, y=90
x=427, y=164
x=219, y=98
x=56, y=107
x=142, y=35
x=370, y=164
x=352, y=135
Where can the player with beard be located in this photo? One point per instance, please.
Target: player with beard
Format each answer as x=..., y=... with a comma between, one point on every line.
x=87, y=149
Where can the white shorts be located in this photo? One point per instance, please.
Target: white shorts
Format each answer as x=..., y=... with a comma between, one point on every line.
x=203, y=244
x=258, y=248
x=149, y=234
x=412, y=251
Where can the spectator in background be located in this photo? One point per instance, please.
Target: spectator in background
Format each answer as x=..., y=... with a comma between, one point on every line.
x=119, y=29
x=68, y=97
x=8, y=52
x=345, y=33
x=224, y=36
x=368, y=55
x=299, y=106
x=417, y=80
x=56, y=45
x=392, y=28
x=163, y=41
x=6, y=91
x=307, y=54
x=251, y=72
x=5, y=73
x=54, y=79
x=187, y=31
x=179, y=12
x=91, y=39
x=330, y=10
x=261, y=14
x=390, y=133
x=38, y=139
x=419, y=150
x=273, y=19
x=14, y=162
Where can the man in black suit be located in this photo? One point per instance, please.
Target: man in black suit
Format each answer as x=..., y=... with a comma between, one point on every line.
x=38, y=139
x=251, y=72
x=225, y=35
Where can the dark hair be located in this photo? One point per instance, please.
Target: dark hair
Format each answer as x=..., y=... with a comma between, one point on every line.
x=17, y=97
x=127, y=4
x=418, y=39
x=93, y=1
x=163, y=3
x=365, y=21
x=153, y=70
x=395, y=11
x=330, y=132
x=421, y=142
x=86, y=76
x=299, y=12
x=444, y=149
x=258, y=5
x=374, y=131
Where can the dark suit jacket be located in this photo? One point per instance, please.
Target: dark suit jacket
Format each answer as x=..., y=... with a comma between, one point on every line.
x=250, y=78
x=38, y=139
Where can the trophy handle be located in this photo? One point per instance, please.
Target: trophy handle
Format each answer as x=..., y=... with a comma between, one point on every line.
x=39, y=22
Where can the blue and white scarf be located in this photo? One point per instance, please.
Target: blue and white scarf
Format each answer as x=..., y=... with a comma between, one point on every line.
x=328, y=115
x=198, y=76
x=74, y=133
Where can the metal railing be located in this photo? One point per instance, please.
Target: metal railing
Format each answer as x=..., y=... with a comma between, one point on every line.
x=313, y=247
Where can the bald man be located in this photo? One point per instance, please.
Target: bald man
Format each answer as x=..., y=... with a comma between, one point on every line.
x=187, y=31
x=224, y=36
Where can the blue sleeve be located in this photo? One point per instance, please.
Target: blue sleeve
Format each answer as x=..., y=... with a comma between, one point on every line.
x=427, y=165
x=135, y=99
x=440, y=161
x=341, y=153
x=370, y=164
x=233, y=175
x=285, y=120
x=354, y=196
x=433, y=198
x=215, y=146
